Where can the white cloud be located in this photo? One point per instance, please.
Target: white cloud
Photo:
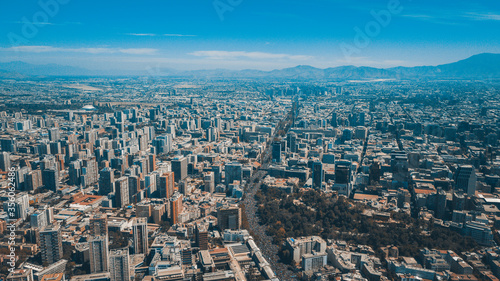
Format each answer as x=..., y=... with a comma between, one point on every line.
x=483, y=16
x=218, y=55
x=47, y=49
x=141, y=34
x=179, y=35
x=167, y=34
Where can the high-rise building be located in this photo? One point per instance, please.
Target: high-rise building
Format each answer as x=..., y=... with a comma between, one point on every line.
x=98, y=253
x=74, y=172
x=234, y=172
x=98, y=224
x=209, y=181
x=50, y=179
x=229, y=218
x=4, y=161
x=119, y=265
x=121, y=192
x=217, y=169
x=54, y=134
x=140, y=233
x=33, y=180
x=38, y=219
x=133, y=188
x=276, y=152
x=8, y=145
x=50, y=241
x=317, y=175
x=106, y=181
x=292, y=141
x=175, y=207
x=201, y=236
x=180, y=168
x=19, y=210
x=465, y=179
x=167, y=185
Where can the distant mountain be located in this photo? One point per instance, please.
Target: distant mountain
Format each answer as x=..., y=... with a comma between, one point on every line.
x=43, y=70
x=482, y=66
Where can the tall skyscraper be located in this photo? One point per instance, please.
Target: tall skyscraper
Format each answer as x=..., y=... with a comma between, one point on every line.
x=54, y=134
x=229, y=218
x=317, y=174
x=180, y=168
x=98, y=252
x=140, y=232
x=98, y=224
x=167, y=185
x=121, y=192
x=175, y=207
x=465, y=179
x=4, y=161
x=33, y=180
x=106, y=181
x=119, y=265
x=234, y=172
x=50, y=241
x=50, y=179
x=276, y=152
x=209, y=181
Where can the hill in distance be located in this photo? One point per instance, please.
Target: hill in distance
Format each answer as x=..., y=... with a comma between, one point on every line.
x=482, y=66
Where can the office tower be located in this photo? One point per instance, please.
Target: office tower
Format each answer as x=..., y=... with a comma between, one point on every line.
x=276, y=152
x=465, y=179
x=399, y=167
x=233, y=172
x=50, y=241
x=50, y=179
x=119, y=265
x=98, y=252
x=4, y=161
x=150, y=184
x=54, y=134
x=229, y=218
x=343, y=172
x=106, y=181
x=209, y=181
x=175, y=207
x=201, y=236
x=343, y=178
x=38, y=219
x=440, y=208
x=8, y=145
x=167, y=185
x=133, y=188
x=152, y=162
x=140, y=233
x=217, y=169
x=163, y=144
x=292, y=142
x=98, y=225
x=89, y=171
x=317, y=175
x=74, y=172
x=17, y=209
x=179, y=167
x=33, y=180
x=55, y=148
x=121, y=192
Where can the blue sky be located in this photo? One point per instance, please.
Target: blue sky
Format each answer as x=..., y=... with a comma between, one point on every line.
x=240, y=34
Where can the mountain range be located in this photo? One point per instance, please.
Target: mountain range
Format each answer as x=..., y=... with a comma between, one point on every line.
x=482, y=66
